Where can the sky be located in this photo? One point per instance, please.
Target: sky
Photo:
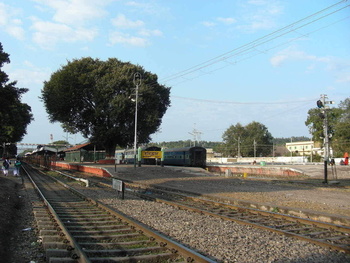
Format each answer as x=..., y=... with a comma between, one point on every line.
x=226, y=62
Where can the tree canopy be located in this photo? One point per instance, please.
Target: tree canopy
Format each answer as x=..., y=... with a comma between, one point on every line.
x=96, y=98
x=15, y=116
x=251, y=140
x=338, y=119
x=341, y=140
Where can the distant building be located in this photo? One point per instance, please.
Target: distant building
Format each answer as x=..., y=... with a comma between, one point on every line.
x=304, y=148
x=211, y=154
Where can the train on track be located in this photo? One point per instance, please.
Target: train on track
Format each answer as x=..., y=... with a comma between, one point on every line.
x=186, y=156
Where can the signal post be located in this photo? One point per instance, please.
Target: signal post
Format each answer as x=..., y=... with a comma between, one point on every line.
x=321, y=104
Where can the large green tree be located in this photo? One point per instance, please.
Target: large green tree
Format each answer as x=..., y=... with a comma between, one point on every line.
x=15, y=116
x=251, y=140
x=338, y=120
x=315, y=122
x=341, y=140
x=97, y=98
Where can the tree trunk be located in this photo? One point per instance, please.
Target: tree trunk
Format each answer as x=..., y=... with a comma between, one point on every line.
x=110, y=150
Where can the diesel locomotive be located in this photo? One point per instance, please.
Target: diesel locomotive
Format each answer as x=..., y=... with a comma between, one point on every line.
x=186, y=156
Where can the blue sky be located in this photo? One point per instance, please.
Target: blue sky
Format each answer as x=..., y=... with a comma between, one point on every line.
x=226, y=61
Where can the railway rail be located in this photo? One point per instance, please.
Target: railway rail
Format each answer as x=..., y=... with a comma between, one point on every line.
x=324, y=234
x=75, y=228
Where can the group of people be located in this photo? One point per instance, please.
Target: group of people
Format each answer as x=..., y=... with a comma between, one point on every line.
x=6, y=166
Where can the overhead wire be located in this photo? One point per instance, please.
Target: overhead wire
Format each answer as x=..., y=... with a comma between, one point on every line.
x=242, y=103
x=201, y=66
x=251, y=48
x=258, y=42
x=228, y=63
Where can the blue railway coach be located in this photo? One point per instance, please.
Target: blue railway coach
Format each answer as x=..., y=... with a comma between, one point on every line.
x=127, y=155
x=188, y=156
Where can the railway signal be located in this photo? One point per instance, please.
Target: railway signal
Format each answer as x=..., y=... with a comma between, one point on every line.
x=322, y=104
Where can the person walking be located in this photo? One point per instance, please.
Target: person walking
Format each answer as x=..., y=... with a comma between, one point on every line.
x=18, y=164
x=6, y=166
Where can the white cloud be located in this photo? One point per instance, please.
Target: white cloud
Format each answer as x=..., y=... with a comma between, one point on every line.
x=258, y=23
x=260, y=15
x=208, y=24
x=47, y=34
x=219, y=20
x=227, y=20
x=69, y=21
x=148, y=33
x=293, y=54
x=122, y=22
x=126, y=39
x=338, y=66
x=28, y=75
x=278, y=59
x=344, y=78
x=131, y=32
x=257, y=2
x=150, y=8
x=75, y=12
x=9, y=23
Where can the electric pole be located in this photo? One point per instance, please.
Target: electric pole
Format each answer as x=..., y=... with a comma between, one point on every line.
x=196, y=134
x=321, y=103
x=254, y=148
x=137, y=83
x=239, y=147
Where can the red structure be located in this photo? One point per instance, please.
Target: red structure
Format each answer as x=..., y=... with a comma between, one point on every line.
x=346, y=157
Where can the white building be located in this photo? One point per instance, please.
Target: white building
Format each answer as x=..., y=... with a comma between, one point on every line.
x=304, y=148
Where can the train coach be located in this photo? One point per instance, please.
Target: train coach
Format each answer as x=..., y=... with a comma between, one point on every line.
x=128, y=155
x=186, y=156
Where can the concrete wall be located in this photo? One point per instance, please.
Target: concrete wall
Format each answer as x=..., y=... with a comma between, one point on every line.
x=256, y=170
x=83, y=168
x=250, y=160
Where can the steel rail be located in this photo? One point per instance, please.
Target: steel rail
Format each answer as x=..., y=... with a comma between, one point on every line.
x=79, y=255
x=255, y=223
x=173, y=246
x=290, y=233
x=247, y=219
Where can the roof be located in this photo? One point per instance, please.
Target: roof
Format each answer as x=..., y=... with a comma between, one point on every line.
x=47, y=149
x=77, y=147
x=85, y=146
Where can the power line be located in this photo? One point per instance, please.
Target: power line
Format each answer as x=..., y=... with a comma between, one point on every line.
x=251, y=46
x=242, y=103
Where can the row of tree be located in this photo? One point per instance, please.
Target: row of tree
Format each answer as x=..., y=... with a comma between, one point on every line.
x=246, y=146
x=15, y=115
x=97, y=98
x=338, y=119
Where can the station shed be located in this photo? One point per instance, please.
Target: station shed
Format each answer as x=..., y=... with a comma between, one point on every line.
x=44, y=154
x=87, y=152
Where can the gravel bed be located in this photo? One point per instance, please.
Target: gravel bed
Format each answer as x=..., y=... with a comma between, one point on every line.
x=222, y=240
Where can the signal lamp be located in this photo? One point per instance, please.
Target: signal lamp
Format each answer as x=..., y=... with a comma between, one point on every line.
x=319, y=104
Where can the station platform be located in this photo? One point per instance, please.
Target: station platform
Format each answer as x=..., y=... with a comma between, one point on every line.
x=306, y=194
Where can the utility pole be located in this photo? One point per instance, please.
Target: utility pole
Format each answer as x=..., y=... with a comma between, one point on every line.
x=196, y=134
x=254, y=148
x=137, y=83
x=239, y=146
x=321, y=103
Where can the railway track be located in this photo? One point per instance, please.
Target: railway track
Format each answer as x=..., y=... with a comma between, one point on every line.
x=327, y=235
x=75, y=228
